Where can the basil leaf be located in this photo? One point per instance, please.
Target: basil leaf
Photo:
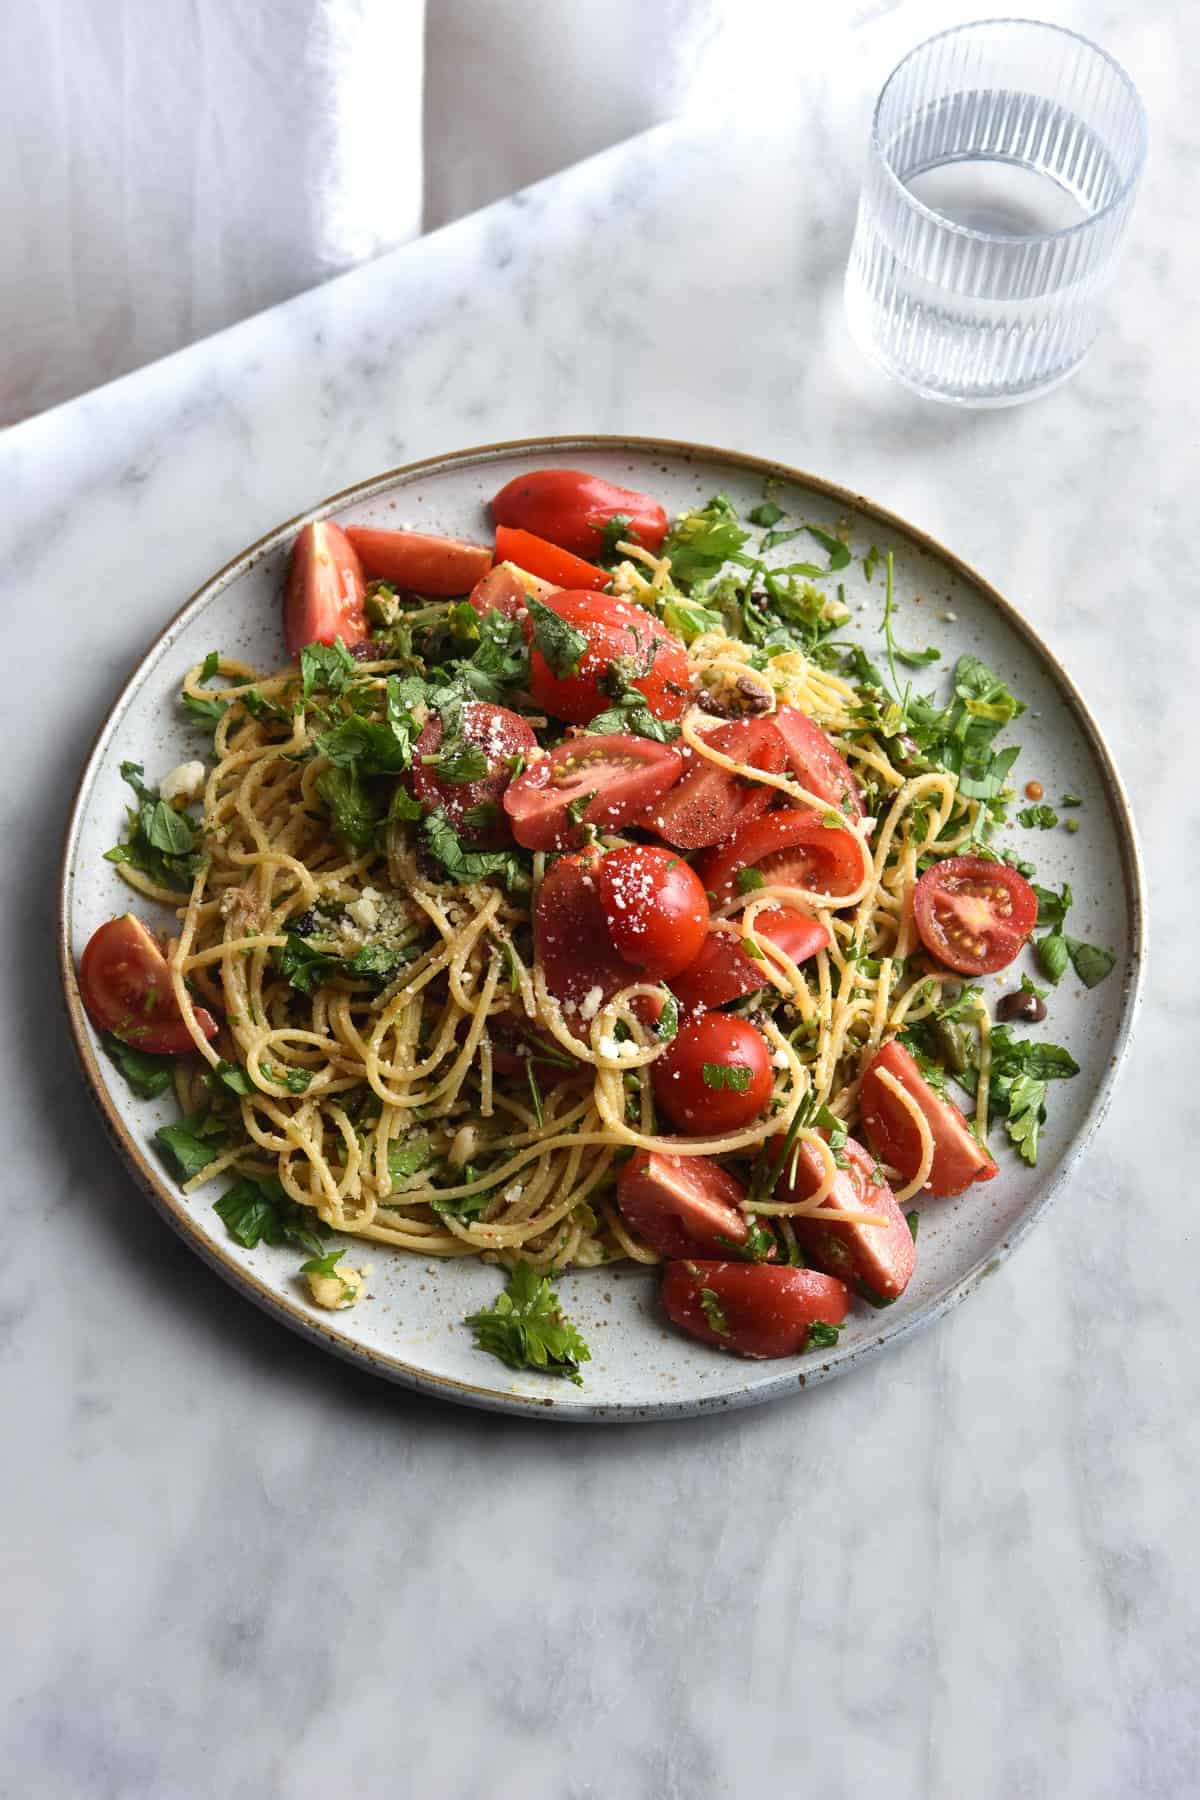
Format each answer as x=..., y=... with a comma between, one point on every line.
x=1052, y=955
x=186, y=1152
x=148, y=1076
x=1090, y=963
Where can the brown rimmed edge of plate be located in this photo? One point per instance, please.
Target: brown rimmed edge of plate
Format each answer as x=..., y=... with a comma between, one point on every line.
x=173, y=1208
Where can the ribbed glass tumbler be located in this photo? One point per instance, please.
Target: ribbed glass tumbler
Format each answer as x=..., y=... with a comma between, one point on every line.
x=1003, y=163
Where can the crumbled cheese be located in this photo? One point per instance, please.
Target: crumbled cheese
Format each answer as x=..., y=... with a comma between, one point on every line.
x=339, y=1290
x=364, y=912
x=618, y=1051
x=186, y=782
x=591, y=1003
x=512, y=1193
x=779, y=1060
x=463, y=1147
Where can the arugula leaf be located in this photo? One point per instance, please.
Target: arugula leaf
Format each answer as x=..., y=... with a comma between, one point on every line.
x=328, y=666
x=259, y=1212
x=184, y=1150
x=461, y=864
x=714, y=1312
x=1037, y=818
x=148, y=1076
x=726, y=1075
x=526, y=1329
x=702, y=541
x=820, y=1336
x=556, y=638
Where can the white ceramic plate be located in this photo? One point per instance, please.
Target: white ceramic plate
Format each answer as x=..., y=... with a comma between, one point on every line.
x=410, y=1329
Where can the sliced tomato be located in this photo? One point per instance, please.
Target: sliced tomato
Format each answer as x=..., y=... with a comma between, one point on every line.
x=546, y=560
x=499, y=591
x=606, y=779
x=570, y=936
x=474, y=807
x=655, y=907
x=958, y=1156
x=876, y=1260
x=614, y=631
x=572, y=509
x=423, y=564
x=709, y=802
x=972, y=914
x=753, y=1309
x=715, y=1076
x=682, y=1205
x=125, y=985
x=723, y=971
x=323, y=599
x=794, y=848
x=815, y=763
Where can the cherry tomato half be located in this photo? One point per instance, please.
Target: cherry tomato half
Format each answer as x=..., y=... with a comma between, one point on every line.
x=656, y=909
x=570, y=937
x=572, y=509
x=816, y=764
x=682, y=1205
x=500, y=590
x=877, y=1260
x=753, y=1309
x=423, y=564
x=126, y=987
x=794, y=848
x=709, y=803
x=958, y=1156
x=546, y=560
x=323, y=599
x=715, y=1076
x=607, y=779
x=972, y=914
x=501, y=736
x=723, y=971
x=613, y=630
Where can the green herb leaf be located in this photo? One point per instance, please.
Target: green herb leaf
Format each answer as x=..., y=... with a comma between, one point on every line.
x=234, y=1077
x=749, y=879
x=839, y=555
x=1053, y=955
x=259, y=1212
x=1037, y=818
x=668, y=1020
x=1070, y=800
x=526, y=1328
x=148, y=1076
x=701, y=542
x=462, y=763
x=766, y=513
x=1053, y=907
x=408, y=1158
x=353, y=811
x=820, y=1336
x=1090, y=963
x=328, y=666
x=462, y=864
x=689, y=620
x=714, y=1312
x=726, y=1075
x=305, y=967
x=556, y=638
x=913, y=1221
x=186, y=1152
x=325, y=1265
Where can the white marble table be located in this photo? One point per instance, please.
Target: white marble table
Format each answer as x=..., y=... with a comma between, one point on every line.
x=232, y=1566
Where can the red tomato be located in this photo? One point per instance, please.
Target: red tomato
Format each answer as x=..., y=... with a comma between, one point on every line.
x=682, y=1205
x=546, y=560
x=723, y=971
x=570, y=936
x=877, y=1260
x=816, y=764
x=618, y=772
x=794, y=848
x=126, y=987
x=424, y=564
x=613, y=629
x=691, y=1076
x=709, y=802
x=572, y=509
x=655, y=907
x=958, y=1156
x=972, y=914
x=499, y=591
x=501, y=735
x=755, y=1309
x=323, y=599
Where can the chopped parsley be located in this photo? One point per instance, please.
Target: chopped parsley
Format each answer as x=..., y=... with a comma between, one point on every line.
x=526, y=1329
x=257, y=1211
x=148, y=1076
x=159, y=840
x=820, y=1336
x=727, y=1075
x=713, y=1312
x=556, y=638
x=1037, y=818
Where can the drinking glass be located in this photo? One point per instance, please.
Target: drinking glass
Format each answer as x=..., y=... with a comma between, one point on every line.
x=1003, y=163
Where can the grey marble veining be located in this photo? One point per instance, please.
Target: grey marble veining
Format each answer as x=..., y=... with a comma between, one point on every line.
x=234, y=1567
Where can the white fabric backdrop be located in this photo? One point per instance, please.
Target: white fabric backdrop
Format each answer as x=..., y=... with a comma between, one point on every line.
x=171, y=166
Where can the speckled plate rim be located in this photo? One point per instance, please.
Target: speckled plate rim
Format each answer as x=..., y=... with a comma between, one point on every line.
x=290, y=1313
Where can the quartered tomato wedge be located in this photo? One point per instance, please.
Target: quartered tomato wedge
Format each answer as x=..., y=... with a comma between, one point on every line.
x=607, y=780
x=655, y=907
x=815, y=763
x=323, y=599
x=125, y=985
x=709, y=802
x=715, y=1076
x=572, y=509
x=424, y=564
x=723, y=971
x=972, y=914
x=958, y=1156
x=753, y=1309
x=570, y=937
x=474, y=807
x=546, y=560
x=682, y=1205
x=614, y=631
x=795, y=848
x=877, y=1260
x=501, y=590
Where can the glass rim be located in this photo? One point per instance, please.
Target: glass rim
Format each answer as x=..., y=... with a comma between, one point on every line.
x=1029, y=237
